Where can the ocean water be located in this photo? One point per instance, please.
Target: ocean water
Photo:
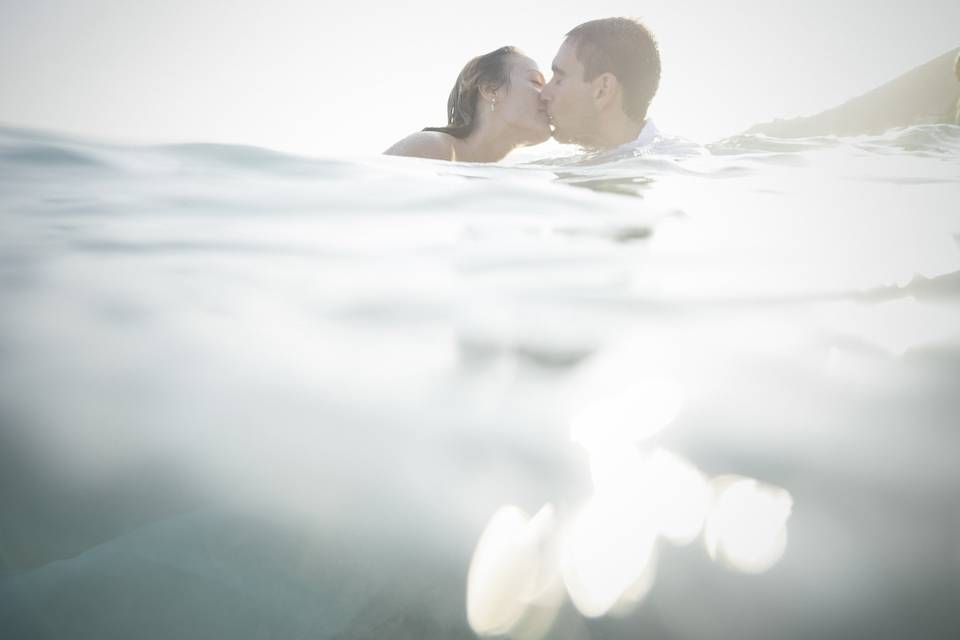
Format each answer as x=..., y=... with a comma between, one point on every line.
x=693, y=393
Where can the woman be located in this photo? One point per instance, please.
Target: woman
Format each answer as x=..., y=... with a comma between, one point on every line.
x=493, y=108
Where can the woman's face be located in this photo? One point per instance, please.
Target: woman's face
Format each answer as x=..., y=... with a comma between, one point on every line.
x=518, y=105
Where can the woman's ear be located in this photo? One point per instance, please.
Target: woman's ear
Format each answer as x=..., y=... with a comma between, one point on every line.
x=489, y=92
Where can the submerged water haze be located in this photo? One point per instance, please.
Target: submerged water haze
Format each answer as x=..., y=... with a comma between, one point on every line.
x=246, y=394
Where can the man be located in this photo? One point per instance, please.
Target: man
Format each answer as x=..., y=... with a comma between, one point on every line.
x=604, y=77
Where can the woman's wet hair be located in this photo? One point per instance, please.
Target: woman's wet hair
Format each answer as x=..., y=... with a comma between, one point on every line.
x=492, y=70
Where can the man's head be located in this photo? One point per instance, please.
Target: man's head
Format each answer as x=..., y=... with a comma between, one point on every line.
x=606, y=69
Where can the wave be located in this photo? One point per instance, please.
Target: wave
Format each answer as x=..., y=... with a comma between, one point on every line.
x=926, y=139
x=28, y=149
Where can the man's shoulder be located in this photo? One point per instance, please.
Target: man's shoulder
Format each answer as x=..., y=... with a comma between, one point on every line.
x=425, y=144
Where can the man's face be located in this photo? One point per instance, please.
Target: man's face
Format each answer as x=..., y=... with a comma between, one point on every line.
x=569, y=100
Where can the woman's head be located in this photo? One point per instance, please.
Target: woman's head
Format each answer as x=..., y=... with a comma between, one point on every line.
x=504, y=86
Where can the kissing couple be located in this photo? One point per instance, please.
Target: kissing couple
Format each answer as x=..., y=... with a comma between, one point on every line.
x=604, y=76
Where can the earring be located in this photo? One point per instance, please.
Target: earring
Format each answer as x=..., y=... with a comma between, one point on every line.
x=493, y=104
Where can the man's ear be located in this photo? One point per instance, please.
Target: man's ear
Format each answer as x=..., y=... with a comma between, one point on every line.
x=605, y=88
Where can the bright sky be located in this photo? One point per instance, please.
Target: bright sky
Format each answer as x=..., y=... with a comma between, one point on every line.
x=352, y=77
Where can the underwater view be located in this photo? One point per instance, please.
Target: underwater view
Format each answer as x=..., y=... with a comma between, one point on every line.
x=688, y=392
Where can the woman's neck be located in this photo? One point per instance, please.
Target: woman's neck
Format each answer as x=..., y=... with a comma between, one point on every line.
x=486, y=143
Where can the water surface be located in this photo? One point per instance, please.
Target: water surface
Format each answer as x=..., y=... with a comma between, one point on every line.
x=249, y=394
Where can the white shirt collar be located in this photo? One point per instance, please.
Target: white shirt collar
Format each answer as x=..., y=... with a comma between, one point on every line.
x=647, y=136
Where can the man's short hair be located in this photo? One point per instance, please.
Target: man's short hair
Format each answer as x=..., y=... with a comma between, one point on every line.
x=625, y=48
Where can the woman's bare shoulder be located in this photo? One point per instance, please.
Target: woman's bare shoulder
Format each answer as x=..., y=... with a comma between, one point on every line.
x=425, y=144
